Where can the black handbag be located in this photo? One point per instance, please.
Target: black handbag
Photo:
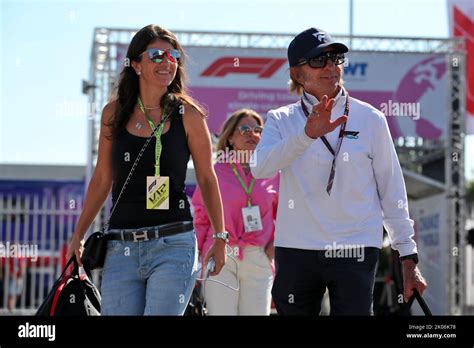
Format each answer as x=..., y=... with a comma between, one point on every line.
x=72, y=294
x=93, y=256
x=95, y=247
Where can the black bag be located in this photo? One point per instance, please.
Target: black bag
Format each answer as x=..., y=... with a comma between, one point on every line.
x=94, y=252
x=72, y=294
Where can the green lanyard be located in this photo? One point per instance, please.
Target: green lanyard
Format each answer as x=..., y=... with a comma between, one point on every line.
x=157, y=132
x=248, y=190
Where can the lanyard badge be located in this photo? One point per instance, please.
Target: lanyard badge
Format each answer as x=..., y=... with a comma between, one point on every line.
x=157, y=186
x=332, y=174
x=158, y=192
x=251, y=213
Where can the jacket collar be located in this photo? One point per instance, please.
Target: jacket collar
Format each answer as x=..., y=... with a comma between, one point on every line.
x=310, y=100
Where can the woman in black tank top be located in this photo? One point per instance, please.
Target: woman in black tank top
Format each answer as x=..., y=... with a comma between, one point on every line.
x=151, y=261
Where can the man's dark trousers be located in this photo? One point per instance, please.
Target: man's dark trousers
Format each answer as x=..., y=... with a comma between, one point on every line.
x=303, y=275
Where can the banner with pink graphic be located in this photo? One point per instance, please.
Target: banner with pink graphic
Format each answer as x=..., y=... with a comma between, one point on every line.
x=461, y=20
x=410, y=88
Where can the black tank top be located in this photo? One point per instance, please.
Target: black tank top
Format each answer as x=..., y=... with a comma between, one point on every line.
x=131, y=210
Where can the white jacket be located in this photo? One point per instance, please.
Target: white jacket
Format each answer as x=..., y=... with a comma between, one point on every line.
x=368, y=188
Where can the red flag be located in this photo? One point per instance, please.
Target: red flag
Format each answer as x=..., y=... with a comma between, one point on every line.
x=462, y=25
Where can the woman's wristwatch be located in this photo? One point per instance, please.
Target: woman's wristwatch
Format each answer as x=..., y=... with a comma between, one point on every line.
x=222, y=235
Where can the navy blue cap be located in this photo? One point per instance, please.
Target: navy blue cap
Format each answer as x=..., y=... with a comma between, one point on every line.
x=310, y=43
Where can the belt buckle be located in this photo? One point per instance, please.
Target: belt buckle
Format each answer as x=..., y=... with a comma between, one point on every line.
x=140, y=236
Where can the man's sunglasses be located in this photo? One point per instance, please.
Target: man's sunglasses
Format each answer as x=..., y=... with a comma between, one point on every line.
x=245, y=130
x=321, y=60
x=156, y=55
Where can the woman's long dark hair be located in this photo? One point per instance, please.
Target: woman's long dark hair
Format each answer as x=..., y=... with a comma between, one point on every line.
x=128, y=87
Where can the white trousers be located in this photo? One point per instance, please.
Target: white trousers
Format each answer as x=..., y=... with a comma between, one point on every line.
x=255, y=277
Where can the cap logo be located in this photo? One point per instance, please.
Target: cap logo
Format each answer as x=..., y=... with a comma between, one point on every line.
x=320, y=36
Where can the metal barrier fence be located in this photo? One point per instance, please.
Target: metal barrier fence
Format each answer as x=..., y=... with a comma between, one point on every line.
x=34, y=234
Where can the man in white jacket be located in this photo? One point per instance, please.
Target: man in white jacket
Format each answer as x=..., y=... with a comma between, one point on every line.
x=341, y=182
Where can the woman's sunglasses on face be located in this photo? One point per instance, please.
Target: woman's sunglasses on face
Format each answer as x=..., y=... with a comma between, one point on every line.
x=321, y=60
x=246, y=130
x=156, y=55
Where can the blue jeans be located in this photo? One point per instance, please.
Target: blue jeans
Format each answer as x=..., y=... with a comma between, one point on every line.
x=154, y=277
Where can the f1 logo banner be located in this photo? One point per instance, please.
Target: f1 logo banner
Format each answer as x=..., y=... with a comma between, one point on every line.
x=262, y=67
x=227, y=79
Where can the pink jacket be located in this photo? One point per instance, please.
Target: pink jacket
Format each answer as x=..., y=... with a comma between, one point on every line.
x=234, y=198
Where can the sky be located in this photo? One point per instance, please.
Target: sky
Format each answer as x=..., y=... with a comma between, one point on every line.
x=46, y=47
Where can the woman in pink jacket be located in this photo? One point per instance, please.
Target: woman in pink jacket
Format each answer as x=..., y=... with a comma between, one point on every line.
x=250, y=207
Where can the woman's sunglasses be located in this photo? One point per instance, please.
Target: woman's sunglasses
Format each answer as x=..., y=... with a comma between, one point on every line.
x=321, y=60
x=156, y=55
x=245, y=130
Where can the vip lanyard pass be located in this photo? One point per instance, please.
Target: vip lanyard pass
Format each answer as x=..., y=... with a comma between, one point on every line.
x=326, y=143
x=157, y=131
x=248, y=190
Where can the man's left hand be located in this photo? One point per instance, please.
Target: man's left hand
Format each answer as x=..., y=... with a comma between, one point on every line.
x=412, y=279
